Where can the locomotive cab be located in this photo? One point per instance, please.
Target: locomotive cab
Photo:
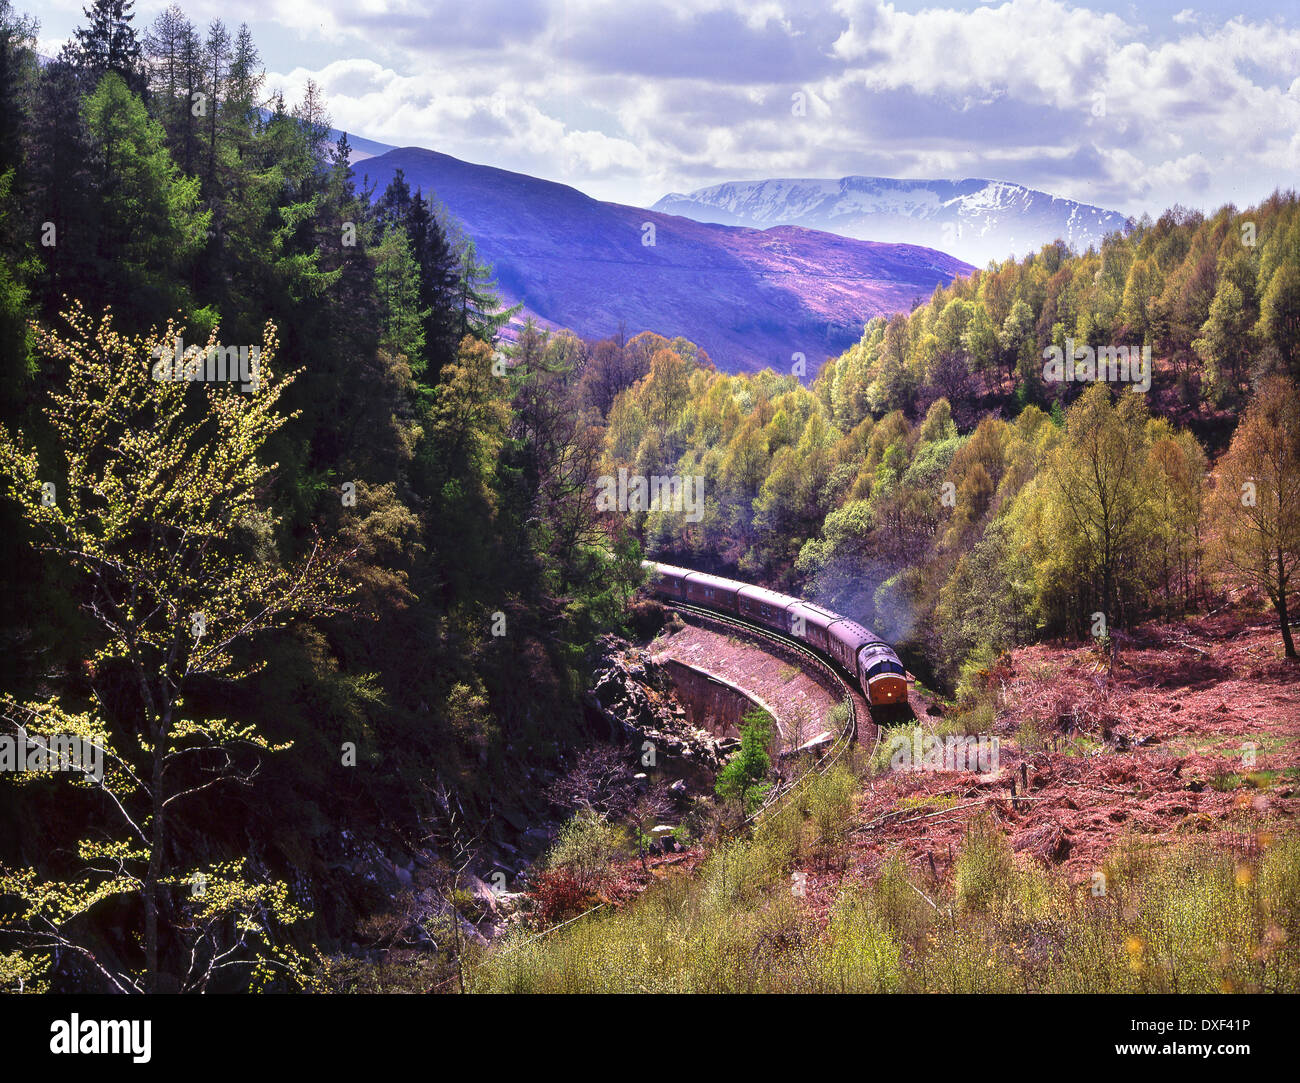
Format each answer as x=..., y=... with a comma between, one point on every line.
x=883, y=678
x=887, y=688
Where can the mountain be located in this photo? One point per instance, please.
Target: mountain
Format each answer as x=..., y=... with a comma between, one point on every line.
x=750, y=297
x=977, y=220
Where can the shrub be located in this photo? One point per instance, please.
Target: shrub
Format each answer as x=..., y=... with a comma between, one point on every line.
x=561, y=895
x=645, y=619
x=830, y=806
x=861, y=954
x=587, y=849
x=745, y=773
x=985, y=868
x=976, y=717
x=878, y=764
x=976, y=673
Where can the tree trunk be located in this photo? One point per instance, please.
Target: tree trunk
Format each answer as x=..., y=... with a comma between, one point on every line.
x=1287, y=641
x=154, y=875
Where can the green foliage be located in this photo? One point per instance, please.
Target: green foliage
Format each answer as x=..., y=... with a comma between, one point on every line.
x=397, y=278
x=943, y=538
x=985, y=872
x=829, y=805
x=157, y=508
x=587, y=848
x=459, y=492
x=862, y=953
x=1255, y=508
x=744, y=776
x=472, y=464
x=149, y=224
x=17, y=343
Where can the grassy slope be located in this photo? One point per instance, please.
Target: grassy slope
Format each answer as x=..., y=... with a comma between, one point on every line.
x=1144, y=855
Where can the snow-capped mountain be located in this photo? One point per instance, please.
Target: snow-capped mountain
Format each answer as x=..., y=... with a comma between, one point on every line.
x=975, y=220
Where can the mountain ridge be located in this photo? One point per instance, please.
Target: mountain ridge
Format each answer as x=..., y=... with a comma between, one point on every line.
x=750, y=297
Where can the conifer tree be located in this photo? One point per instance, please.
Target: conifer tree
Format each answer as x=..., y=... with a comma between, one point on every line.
x=109, y=43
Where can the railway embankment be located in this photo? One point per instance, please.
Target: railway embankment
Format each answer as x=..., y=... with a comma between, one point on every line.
x=800, y=698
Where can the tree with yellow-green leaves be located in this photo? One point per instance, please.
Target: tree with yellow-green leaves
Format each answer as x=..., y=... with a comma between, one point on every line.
x=1177, y=468
x=1255, y=508
x=156, y=501
x=1099, y=481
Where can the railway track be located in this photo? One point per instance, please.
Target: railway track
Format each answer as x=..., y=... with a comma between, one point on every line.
x=857, y=713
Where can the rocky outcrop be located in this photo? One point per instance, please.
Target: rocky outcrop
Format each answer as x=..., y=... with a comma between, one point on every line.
x=635, y=696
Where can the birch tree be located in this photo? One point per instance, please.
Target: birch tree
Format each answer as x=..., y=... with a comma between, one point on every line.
x=156, y=498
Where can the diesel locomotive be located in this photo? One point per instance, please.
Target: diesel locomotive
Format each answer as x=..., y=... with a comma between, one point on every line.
x=859, y=651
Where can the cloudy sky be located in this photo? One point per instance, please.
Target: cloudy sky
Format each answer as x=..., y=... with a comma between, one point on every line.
x=1130, y=106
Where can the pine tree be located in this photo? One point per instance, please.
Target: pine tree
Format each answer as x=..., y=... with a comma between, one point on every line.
x=109, y=43
x=60, y=184
x=393, y=207
x=313, y=120
x=397, y=277
x=191, y=61
x=149, y=224
x=162, y=50
x=439, y=280
x=216, y=72
x=17, y=76
x=17, y=359
x=745, y=773
x=481, y=314
x=172, y=51
x=245, y=85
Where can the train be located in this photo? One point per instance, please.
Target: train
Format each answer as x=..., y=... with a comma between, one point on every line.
x=867, y=658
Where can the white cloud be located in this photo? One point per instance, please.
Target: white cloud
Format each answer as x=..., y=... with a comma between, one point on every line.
x=628, y=99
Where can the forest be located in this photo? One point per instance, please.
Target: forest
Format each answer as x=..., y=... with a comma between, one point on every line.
x=361, y=595
x=386, y=556
x=930, y=480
